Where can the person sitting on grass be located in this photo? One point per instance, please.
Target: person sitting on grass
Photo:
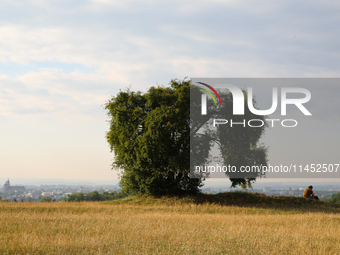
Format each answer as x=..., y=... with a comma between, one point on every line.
x=308, y=193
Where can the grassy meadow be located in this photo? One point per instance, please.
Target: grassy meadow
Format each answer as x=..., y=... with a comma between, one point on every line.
x=227, y=223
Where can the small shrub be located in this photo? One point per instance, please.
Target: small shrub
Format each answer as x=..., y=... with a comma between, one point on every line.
x=46, y=199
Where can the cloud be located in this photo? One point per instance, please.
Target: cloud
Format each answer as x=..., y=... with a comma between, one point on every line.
x=54, y=92
x=144, y=43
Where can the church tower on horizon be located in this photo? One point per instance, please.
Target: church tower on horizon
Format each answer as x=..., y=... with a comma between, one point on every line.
x=9, y=188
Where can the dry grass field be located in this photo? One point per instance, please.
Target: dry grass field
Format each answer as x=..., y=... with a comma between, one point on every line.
x=169, y=226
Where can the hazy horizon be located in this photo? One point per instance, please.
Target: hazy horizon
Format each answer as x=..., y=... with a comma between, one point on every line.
x=208, y=183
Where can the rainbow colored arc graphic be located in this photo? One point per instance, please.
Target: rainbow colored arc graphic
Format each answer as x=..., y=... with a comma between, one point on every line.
x=209, y=93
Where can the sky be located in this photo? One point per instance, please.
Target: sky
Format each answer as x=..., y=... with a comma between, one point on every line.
x=60, y=61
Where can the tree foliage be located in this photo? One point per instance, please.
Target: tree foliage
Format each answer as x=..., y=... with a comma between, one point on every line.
x=335, y=198
x=239, y=145
x=94, y=196
x=46, y=199
x=150, y=137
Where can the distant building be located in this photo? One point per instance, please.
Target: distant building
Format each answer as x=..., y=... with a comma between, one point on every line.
x=267, y=189
x=291, y=191
x=9, y=188
x=284, y=193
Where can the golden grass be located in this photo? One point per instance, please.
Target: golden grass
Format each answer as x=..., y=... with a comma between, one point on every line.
x=98, y=228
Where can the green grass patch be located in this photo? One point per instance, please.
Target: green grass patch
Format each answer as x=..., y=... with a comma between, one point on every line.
x=239, y=199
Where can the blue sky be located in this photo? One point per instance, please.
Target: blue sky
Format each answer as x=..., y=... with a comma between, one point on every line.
x=60, y=61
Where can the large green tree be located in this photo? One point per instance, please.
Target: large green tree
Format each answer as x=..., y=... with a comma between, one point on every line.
x=150, y=137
